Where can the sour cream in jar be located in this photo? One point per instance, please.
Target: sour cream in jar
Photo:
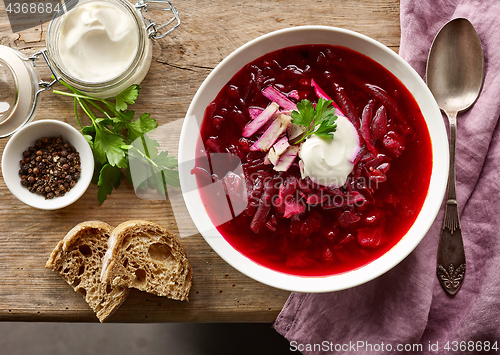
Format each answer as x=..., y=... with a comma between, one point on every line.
x=98, y=41
x=100, y=47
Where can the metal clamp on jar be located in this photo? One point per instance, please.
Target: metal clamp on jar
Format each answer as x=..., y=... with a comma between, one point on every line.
x=99, y=47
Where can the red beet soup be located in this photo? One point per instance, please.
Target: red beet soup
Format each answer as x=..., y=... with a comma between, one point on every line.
x=291, y=224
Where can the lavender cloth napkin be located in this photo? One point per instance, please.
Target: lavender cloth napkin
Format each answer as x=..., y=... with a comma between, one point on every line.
x=407, y=304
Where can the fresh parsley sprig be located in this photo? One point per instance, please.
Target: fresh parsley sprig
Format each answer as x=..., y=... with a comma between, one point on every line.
x=111, y=137
x=319, y=120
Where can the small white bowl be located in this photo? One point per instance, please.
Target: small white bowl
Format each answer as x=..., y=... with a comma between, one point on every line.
x=293, y=37
x=26, y=137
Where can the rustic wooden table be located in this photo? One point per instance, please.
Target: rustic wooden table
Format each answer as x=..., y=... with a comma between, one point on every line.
x=210, y=30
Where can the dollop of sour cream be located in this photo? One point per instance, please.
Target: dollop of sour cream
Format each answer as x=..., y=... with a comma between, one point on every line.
x=97, y=41
x=328, y=162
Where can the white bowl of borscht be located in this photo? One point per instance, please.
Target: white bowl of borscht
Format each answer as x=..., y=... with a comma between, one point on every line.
x=313, y=159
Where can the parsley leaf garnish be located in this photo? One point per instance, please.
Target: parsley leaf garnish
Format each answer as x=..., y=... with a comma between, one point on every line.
x=319, y=120
x=111, y=135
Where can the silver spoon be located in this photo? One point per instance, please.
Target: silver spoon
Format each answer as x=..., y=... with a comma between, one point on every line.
x=455, y=72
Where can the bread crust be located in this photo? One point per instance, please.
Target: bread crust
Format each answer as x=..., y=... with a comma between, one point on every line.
x=82, y=270
x=144, y=255
x=74, y=234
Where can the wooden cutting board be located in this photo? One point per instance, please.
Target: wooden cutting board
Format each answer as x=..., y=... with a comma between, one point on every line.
x=210, y=30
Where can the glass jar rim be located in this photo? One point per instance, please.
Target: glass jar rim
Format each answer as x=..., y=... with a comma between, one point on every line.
x=53, y=53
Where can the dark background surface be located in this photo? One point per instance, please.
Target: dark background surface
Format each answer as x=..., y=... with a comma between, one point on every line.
x=167, y=338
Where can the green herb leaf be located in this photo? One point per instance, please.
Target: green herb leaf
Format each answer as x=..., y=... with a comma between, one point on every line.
x=127, y=96
x=319, y=120
x=110, y=134
x=305, y=114
x=107, y=147
x=140, y=126
x=124, y=117
x=89, y=140
x=166, y=161
x=172, y=178
x=110, y=177
x=327, y=125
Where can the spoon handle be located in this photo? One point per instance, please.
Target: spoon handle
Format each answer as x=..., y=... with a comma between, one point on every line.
x=451, y=254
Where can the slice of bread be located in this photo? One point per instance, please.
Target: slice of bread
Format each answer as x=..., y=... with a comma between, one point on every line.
x=78, y=259
x=146, y=256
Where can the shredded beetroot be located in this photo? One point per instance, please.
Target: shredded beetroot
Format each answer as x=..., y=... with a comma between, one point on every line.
x=394, y=143
x=316, y=197
x=320, y=92
x=254, y=195
x=294, y=206
x=260, y=217
x=294, y=94
x=274, y=95
x=384, y=96
x=370, y=237
x=306, y=227
x=306, y=185
x=365, y=125
x=253, y=112
x=261, y=120
x=286, y=189
x=379, y=124
x=214, y=145
x=347, y=218
x=354, y=197
x=289, y=202
x=346, y=105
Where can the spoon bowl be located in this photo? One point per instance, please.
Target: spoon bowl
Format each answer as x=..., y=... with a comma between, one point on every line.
x=455, y=72
x=455, y=67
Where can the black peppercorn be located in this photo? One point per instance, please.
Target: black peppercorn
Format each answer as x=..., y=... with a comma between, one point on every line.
x=50, y=168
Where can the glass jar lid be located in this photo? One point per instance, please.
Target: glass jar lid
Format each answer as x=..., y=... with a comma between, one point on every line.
x=18, y=91
x=8, y=91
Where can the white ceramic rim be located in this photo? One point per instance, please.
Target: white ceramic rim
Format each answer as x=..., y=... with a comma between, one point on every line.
x=27, y=135
x=389, y=59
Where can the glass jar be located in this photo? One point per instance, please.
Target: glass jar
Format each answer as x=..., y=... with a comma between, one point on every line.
x=133, y=74
x=20, y=86
x=18, y=91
